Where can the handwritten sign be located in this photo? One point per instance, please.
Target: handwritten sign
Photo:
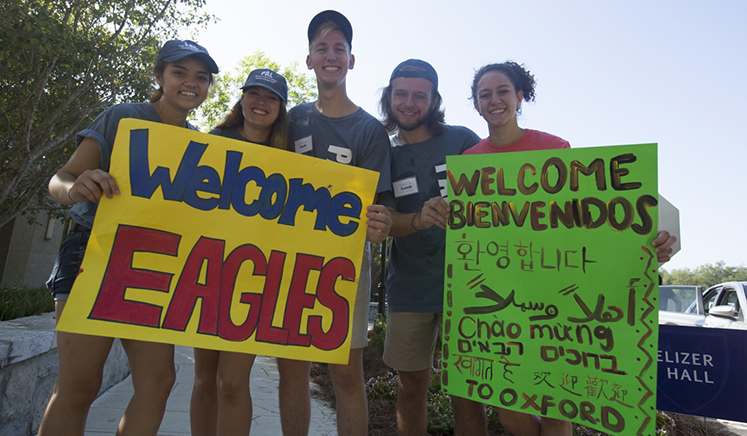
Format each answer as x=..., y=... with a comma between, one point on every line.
x=222, y=244
x=551, y=284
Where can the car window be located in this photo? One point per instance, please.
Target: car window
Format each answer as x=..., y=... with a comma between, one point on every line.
x=678, y=298
x=709, y=299
x=730, y=298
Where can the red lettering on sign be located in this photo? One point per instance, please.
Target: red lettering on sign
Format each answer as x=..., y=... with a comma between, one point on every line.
x=110, y=304
x=189, y=290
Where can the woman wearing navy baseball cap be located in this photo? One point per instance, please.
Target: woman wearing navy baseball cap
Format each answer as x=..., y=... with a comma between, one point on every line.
x=184, y=72
x=221, y=398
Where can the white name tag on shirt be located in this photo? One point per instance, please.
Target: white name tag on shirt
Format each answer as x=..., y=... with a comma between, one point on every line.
x=406, y=186
x=304, y=145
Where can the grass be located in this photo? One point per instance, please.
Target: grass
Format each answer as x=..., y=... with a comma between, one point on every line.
x=19, y=301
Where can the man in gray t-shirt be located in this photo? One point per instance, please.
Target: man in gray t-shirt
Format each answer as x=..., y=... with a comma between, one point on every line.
x=334, y=128
x=411, y=106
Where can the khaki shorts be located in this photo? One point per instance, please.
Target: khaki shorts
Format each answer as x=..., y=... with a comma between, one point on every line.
x=411, y=339
x=359, y=334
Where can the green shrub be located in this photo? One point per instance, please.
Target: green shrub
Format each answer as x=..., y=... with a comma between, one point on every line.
x=378, y=335
x=18, y=301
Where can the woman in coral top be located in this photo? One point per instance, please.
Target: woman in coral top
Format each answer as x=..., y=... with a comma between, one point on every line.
x=498, y=90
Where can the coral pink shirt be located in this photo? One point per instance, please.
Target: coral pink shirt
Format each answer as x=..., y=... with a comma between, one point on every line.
x=532, y=140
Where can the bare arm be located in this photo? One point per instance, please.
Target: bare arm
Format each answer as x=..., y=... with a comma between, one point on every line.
x=435, y=212
x=81, y=178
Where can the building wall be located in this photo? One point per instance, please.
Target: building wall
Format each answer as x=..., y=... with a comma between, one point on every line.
x=29, y=250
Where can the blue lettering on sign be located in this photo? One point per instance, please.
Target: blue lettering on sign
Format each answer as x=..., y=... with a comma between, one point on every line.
x=278, y=198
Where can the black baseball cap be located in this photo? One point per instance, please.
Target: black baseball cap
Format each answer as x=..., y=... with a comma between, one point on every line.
x=415, y=68
x=176, y=49
x=335, y=17
x=268, y=79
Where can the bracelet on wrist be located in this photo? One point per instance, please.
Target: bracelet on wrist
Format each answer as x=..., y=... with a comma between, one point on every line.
x=412, y=222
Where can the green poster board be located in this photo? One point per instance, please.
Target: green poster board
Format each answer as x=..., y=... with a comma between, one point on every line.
x=551, y=284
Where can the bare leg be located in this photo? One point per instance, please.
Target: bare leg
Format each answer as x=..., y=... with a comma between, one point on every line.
x=153, y=376
x=350, y=395
x=412, y=412
x=519, y=423
x=294, y=394
x=203, y=406
x=555, y=427
x=234, y=395
x=82, y=359
x=470, y=417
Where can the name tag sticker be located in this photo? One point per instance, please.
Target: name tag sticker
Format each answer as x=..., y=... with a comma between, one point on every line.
x=404, y=187
x=304, y=145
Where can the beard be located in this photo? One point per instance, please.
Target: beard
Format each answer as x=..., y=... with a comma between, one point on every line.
x=411, y=125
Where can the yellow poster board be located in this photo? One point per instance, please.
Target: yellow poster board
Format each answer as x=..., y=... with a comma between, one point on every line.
x=223, y=244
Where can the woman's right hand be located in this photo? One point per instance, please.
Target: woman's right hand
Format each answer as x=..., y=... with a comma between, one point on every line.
x=91, y=184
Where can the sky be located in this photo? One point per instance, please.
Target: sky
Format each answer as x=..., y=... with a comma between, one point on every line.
x=607, y=72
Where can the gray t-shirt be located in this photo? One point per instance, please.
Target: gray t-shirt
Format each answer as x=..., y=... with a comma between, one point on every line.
x=416, y=266
x=104, y=129
x=357, y=139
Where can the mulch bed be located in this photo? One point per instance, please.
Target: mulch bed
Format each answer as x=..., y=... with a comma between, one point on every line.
x=382, y=415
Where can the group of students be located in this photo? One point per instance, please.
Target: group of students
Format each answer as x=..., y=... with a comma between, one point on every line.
x=331, y=128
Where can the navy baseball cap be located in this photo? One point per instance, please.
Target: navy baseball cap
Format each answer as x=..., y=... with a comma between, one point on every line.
x=415, y=68
x=335, y=17
x=175, y=49
x=268, y=79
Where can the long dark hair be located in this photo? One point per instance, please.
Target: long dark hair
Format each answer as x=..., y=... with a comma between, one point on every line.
x=279, y=133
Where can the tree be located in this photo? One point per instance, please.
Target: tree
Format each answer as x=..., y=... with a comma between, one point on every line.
x=705, y=275
x=301, y=88
x=64, y=61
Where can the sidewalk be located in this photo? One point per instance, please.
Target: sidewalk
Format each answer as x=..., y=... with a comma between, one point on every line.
x=108, y=409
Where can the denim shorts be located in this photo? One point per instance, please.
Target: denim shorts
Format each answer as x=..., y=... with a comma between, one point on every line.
x=67, y=264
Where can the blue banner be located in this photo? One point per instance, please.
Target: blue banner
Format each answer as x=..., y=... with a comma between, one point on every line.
x=700, y=372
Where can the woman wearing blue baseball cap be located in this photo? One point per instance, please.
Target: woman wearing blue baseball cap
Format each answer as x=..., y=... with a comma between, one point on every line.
x=184, y=72
x=221, y=398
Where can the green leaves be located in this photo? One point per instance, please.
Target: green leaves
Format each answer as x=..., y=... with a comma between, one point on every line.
x=705, y=275
x=64, y=62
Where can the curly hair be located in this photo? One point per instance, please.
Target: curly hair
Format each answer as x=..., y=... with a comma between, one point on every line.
x=436, y=117
x=519, y=76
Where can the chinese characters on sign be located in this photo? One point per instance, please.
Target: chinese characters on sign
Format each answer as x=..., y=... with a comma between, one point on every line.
x=551, y=284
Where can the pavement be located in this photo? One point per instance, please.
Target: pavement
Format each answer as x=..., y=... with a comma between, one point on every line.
x=738, y=428
x=109, y=407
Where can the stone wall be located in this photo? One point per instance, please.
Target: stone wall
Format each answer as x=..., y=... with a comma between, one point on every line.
x=28, y=368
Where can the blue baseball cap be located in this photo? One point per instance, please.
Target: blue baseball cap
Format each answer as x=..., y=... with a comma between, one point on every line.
x=269, y=80
x=176, y=49
x=415, y=68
